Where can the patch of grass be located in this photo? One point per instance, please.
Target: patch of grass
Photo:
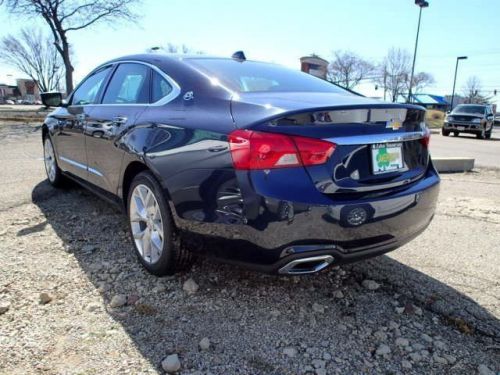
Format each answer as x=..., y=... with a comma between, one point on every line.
x=434, y=118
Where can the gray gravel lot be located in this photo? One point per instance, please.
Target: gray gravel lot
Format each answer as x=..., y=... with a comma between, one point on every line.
x=74, y=300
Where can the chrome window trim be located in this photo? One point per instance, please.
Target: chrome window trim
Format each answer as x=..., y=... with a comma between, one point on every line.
x=376, y=138
x=176, y=89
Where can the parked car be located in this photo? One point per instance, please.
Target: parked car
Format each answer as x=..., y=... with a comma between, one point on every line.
x=249, y=162
x=475, y=119
x=10, y=102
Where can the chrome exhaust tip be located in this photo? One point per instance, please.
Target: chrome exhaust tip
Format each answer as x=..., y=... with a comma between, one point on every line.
x=306, y=265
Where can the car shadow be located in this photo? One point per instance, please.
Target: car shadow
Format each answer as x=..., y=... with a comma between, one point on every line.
x=95, y=232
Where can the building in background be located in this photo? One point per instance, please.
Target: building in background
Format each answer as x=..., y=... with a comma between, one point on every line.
x=25, y=89
x=314, y=65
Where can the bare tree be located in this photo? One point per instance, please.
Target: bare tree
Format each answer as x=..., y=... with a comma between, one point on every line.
x=348, y=69
x=174, y=48
x=65, y=16
x=394, y=72
x=472, y=92
x=35, y=55
x=420, y=81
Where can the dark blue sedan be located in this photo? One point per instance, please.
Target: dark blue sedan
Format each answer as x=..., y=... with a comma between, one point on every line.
x=249, y=162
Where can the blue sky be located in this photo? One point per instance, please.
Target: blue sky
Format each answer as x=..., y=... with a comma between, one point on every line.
x=284, y=30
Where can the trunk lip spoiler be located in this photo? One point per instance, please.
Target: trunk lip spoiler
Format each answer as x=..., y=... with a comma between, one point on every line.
x=366, y=139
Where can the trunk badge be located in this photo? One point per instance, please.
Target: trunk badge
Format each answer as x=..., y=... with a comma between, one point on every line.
x=393, y=124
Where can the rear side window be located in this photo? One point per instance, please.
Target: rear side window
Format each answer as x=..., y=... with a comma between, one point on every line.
x=129, y=85
x=252, y=76
x=160, y=87
x=87, y=92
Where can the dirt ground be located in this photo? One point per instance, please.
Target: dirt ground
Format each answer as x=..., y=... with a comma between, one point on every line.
x=74, y=299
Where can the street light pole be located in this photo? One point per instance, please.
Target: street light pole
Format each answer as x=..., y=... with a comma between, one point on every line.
x=421, y=4
x=455, y=80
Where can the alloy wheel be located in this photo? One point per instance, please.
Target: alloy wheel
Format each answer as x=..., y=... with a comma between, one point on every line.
x=49, y=160
x=146, y=223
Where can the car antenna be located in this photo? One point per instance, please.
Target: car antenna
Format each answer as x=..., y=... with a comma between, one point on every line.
x=239, y=55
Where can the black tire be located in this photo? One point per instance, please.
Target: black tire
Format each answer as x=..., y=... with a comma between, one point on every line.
x=488, y=133
x=55, y=178
x=481, y=135
x=173, y=257
x=455, y=134
x=445, y=132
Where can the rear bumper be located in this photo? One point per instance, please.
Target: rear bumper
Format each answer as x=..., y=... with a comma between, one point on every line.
x=276, y=232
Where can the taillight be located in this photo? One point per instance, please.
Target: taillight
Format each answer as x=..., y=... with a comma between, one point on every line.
x=426, y=139
x=261, y=150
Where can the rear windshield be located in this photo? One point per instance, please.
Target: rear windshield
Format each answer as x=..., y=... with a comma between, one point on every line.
x=252, y=76
x=469, y=109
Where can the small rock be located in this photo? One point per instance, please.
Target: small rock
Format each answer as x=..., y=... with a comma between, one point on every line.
x=204, y=343
x=338, y=294
x=418, y=346
x=406, y=364
x=484, y=370
x=418, y=311
x=171, y=363
x=327, y=356
x=318, y=363
x=450, y=358
x=439, y=359
x=321, y=371
x=132, y=299
x=380, y=335
x=4, y=307
x=45, y=298
x=317, y=308
x=93, y=306
x=399, y=310
x=275, y=313
x=370, y=284
x=426, y=337
x=383, y=350
x=440, y=345
x=400, y=341
x=290, y=352
x=118, y=300
x=342, y=327
x=415, y=357
x=89, y=248
x=190, y=286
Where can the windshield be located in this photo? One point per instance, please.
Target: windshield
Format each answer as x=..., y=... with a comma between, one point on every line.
x=251, y=76
x=479, y=109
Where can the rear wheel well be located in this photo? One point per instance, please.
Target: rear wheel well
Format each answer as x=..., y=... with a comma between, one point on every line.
x=133, y=169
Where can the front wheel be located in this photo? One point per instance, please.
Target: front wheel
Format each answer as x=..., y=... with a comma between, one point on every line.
x=152, y=229
x=445, y=132
x=54, y=174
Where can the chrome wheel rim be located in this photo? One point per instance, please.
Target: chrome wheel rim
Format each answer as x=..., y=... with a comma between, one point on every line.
x=49, y=160
x=146, y=223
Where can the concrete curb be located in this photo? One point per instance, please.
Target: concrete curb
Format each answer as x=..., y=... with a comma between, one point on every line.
x=453, y=164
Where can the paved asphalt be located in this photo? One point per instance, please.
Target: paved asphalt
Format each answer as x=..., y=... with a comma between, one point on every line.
x=485, y=151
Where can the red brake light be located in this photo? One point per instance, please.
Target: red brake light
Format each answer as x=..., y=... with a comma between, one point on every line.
x=262, y=150
x=426, y=139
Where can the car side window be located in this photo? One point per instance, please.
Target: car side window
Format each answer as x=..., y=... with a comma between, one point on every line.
x=88, y=90
x=159, y=87
x=129, y=85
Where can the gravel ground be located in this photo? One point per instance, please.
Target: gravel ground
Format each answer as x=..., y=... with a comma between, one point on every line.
x=74, y=300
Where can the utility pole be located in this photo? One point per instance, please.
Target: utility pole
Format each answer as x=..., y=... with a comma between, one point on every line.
x=455, y=80
x=421, y=4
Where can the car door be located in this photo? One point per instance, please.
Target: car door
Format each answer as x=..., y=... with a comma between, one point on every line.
x=68, y=136
x=126, y=96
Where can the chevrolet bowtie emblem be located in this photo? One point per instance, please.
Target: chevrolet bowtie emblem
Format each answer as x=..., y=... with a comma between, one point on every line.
x=393, y=124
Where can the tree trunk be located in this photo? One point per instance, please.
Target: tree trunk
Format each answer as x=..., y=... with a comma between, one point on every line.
x=68, y=67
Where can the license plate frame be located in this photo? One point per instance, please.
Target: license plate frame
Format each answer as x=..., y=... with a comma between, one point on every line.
x=387, y=158
x=460, y=127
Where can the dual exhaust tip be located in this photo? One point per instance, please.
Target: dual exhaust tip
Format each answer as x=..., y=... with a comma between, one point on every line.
x=306, y=265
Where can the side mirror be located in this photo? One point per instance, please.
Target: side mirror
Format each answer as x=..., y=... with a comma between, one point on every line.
x=52, y=99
